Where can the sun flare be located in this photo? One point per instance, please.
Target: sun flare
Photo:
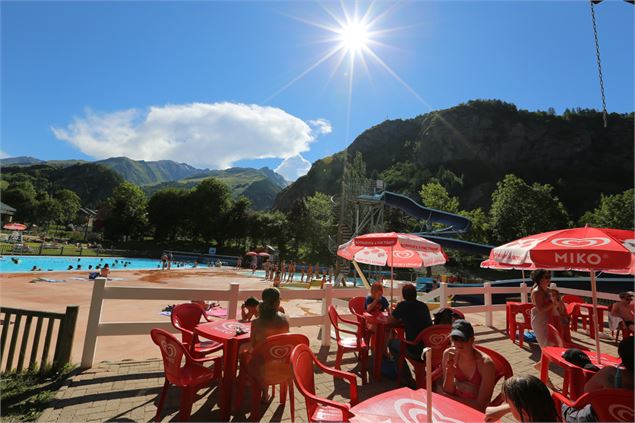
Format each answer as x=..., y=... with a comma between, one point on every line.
x=354, y=36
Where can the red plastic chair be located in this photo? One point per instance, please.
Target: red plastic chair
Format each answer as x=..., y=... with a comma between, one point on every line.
x=185, y=317
x=436, y=337
x=609, y=405
x=503, y=370
x=517, y=328
x=357, y=307
x=269, y=366
x=574, y=312
x=320, y=409
x=356, y=344
x=190, y=377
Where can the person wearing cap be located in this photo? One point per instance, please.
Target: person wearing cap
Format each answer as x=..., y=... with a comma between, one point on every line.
x=623, y=309
x=468, y=374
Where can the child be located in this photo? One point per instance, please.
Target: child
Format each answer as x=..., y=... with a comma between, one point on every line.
x=249, y=309
x=560, y=316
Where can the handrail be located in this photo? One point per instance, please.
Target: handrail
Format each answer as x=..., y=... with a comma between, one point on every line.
x=233, y=295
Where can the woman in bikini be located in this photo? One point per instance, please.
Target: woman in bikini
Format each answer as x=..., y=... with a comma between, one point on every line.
x=468, y=374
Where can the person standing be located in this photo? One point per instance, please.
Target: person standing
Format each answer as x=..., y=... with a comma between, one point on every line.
x=170, y=258
x=543, y=306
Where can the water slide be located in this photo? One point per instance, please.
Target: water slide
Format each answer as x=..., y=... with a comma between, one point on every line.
x=454, y=224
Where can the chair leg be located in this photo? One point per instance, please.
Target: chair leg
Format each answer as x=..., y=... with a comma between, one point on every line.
x=164, y=391
x=256, y=393
x=283, y=393
x=291, y=400
x=187, y=398
x=399, y=363
x=521, y=336
x=338, y=358
x=364, y=366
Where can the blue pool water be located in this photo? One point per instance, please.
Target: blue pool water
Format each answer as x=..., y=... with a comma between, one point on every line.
x=57, y=263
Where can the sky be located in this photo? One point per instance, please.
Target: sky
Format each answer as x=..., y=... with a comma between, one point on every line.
x=283, y=84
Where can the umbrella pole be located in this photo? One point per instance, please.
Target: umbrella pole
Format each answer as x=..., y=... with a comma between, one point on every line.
x=523, y=273
x=392, y=300
x=595, y=316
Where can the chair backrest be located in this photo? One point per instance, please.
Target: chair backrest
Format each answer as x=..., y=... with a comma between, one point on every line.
x=572, y=299
x=302, y=359
x=185, y=317
x=609, y=405
x=172, y=352
x=524, y=309
x=357, y=305
x=553, y=336
x=270, y=364
x=437, y=337
x=334, y=317
x=503, y=370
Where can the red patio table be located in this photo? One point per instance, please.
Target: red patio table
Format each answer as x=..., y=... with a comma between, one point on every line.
x=406, y=405
x=224, y=331
x=380, y=320
x=589, y=308
x=574, y=376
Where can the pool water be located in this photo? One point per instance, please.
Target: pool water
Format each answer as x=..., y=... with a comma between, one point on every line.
x=13, y=264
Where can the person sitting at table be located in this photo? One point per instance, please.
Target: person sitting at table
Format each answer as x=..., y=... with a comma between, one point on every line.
x=270, y=320
x=469, y=375
x=249, y=309
x=414, y=315
x=376, y=301
x=623, y=310
x=527, y=398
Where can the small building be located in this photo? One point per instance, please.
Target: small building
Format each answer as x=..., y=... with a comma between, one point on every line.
x=6, y=213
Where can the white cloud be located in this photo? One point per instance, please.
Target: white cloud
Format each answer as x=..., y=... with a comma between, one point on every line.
x=3, y=155
x=202, y=134
x=323, y=126
x=293, y=167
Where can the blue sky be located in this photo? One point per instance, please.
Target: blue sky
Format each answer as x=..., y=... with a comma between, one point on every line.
x=200, y=82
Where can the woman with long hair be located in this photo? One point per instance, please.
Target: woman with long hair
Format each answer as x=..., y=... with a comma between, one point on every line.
x=543, y=306
x=527, y=398
x=271, y=320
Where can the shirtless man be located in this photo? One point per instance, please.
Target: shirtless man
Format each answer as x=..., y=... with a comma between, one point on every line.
x=624, y=309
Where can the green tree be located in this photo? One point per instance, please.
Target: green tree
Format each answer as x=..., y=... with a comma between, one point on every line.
x=167, y=214
x=480, y=231
x=298, y=217
x=238, y=220
x=320, y=224
x=48, y=211
x=126, y=215
x=22, y=196
x=519, y=209
x=614, y=211
x=209, y=202
x=71, y=203
x=435, y=196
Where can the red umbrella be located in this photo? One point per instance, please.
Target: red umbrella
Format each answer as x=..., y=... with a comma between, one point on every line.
x=394, y=250
x=582, y=249
x=263, y=254
x=15, y=226
x=251, y=253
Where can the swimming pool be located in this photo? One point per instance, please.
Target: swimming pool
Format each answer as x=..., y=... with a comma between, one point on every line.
x=14, y=264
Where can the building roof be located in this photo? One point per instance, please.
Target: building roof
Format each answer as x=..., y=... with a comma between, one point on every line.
x=6, y=209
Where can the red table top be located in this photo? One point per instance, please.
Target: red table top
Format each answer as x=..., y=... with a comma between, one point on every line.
x=376, y=317
x=223, y=330
x=406, y=405
x=555, y=353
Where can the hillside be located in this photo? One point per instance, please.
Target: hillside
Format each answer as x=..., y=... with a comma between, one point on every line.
x=259, y=185
x=141, y=172
x=481, y=141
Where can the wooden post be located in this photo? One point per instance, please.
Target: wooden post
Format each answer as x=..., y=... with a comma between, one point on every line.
x=326, y=325
x=232, y=306
x=443, y=294
x=94, y=317
x=427, y=353
x=488, y=303
x=65, y=335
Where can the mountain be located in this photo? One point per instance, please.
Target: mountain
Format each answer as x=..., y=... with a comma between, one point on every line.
x=259, y=185
x=141, y=172
x=480, y=142
x=20, y=161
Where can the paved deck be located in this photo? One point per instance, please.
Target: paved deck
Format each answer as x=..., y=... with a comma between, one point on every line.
x=128, y=390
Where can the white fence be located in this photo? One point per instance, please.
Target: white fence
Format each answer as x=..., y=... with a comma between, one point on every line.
x=233, y=295
x=328, y=295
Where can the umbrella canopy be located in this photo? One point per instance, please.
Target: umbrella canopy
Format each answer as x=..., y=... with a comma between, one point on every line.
x=582, y=249
x=394, y=250
x=263, y=254
x=493, y=264
x=251, y=253
x=15, y=226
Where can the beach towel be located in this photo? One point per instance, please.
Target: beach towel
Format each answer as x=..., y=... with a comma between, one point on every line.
x=47, y=280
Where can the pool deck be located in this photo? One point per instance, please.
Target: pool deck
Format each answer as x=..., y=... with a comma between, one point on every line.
x=128, y=390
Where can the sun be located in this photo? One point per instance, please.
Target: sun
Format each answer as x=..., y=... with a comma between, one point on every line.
x=354, y=36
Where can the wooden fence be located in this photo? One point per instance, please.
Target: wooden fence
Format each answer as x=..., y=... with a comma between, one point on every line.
x=12, y=319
